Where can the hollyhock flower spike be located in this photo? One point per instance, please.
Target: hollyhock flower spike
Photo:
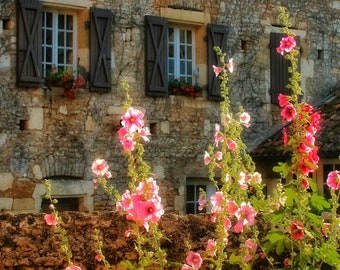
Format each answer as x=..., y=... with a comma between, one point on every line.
x=333, y=180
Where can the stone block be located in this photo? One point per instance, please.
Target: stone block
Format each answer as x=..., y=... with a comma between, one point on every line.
x=6, y=203
x=6, y=181
x=36, y=120
x=23, y=204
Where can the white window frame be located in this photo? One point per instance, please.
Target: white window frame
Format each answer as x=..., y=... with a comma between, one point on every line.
x=210, y=190
x=176, y=43
x=55, y=47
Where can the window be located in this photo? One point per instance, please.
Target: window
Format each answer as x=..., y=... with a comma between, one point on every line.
x=170, y=53
x=279, y=76
x=192, y=194
x=59, y=40
x=49, y=38
x=181, y=49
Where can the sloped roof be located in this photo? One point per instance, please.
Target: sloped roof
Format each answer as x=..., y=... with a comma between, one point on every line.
x=327, y=139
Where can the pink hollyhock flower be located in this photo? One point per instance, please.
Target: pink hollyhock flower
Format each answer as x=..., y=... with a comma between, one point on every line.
x=216, y=202
x=51, y=219
x=218, y=155
x=251, y=247
x=145, y=134
x=230, y=65
x=256, y=178
x=123, y=133
x=211, y=248
x=285, y=137
x=232, y=207
x=194, y=259
x=207, y=158
x=286, y=262
x=218, y=135
x=283, y=100
x=315, y=120
x=128, y=144
x=245, y=119
x=128, y=233
x=296, y=230
x=333, y=180
x=73, y=267
x=202, y=202
x=288, y=112
x=217, y=70
x=148, y=188
x=226, y=119
x=245, y=216
x=242, y=180
x=98, y=257
x=227, y=224
x=132, y=120
x=306, y=165
x=99, y=167
x=286, y=44
x=324, y=232
x=231, y=144
x=305, y=183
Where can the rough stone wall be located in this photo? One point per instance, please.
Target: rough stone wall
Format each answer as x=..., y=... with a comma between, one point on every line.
x=44, y=135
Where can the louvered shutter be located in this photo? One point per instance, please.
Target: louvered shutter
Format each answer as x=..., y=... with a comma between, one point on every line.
x=279, y=76
x=29, y=42
x=156, y=37
x=217, y=36
x=100, y=50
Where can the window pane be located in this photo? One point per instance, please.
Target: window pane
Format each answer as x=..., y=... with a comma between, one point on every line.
x=182, y=68
x=171, y=66
x=61, y=56
x=48, y=40
x=69, y=39
x=189, y=52
x=48, y=19
x=48, y=55
x=171, y=50
x=189, y=68
x=182, y=36
x=61, y=23
x=190, y=192
x=69, y=22
x=190, y=208
x=189, y=38
x=171, y=34
x=69, y=56
x=61, y=39
x=182, y=52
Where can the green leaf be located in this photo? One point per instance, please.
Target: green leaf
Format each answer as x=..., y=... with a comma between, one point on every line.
x=282, y=169
x=290, y=196
x=319, y=202
x=235, y=259
x=314, y=218
x=275, y=218
x=274, y=237
x=280, y=247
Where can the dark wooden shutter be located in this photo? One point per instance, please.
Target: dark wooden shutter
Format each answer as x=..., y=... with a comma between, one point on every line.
x=217, y=36
x=29, y=42
x=156, y=37
x=279, y=76
x=100, y=50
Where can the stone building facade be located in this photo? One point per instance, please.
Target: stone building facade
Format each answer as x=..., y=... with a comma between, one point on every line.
x=44, y=134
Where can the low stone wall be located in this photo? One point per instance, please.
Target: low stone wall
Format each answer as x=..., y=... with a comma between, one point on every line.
x=27, y=242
